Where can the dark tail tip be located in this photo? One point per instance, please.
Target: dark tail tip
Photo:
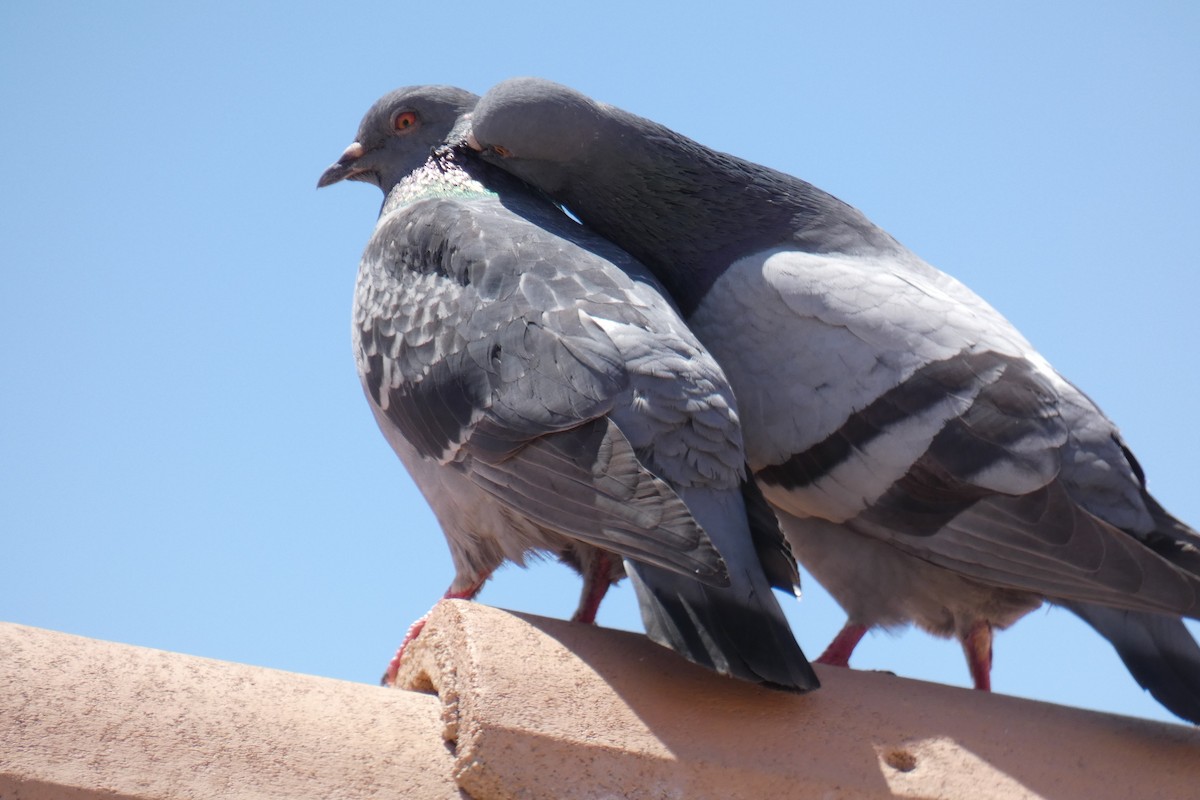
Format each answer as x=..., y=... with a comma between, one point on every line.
x=735, y=631
x=1158, y=650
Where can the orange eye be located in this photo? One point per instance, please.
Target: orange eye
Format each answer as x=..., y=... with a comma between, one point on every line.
x=405, y=120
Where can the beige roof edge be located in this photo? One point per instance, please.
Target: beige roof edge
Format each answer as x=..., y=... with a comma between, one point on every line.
x=82, y=719
x=543, y=708
x=538, y=708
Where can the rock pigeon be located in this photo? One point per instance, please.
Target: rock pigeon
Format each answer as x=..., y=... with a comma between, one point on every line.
x=927, y=464
x=547, y=398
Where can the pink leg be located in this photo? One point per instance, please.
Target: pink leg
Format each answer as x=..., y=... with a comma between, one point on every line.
x=595, y=587
x=842, y=647
x=977, y=644
x=414, y=630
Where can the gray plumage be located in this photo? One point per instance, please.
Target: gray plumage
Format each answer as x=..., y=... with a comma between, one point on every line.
x=927, y=463
x=546, y=398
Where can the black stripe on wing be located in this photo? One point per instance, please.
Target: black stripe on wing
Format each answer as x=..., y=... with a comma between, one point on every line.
x=985, y=499
x=1012, y=417
x=435, y=413
x=1012, y=429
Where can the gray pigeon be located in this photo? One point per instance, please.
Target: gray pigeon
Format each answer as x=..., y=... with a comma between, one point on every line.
x=928, y=465
x=546, y=398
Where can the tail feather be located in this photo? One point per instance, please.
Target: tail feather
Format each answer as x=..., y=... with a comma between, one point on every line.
x=1158, y=650
x=774, y=552
x=738, y=630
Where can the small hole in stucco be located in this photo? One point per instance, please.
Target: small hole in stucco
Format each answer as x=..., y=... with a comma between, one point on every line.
x=901, y=760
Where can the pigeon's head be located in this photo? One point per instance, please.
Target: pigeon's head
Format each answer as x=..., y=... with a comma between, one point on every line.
x=398, y=134
x=541, y=131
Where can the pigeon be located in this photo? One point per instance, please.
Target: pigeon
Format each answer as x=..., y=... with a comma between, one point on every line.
x=927, y=464
x=547, y=398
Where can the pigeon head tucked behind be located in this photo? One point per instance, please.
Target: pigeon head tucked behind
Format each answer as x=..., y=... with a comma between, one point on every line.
x=398, y=134
x=607, y=165
x=549, y=128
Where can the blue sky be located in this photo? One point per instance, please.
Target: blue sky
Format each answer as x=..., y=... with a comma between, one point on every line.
x=186, y=459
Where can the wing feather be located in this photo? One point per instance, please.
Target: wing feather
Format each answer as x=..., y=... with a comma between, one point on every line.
x=515, y=394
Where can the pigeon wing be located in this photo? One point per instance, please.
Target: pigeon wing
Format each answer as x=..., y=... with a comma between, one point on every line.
x=958, y=443
x=472, y=347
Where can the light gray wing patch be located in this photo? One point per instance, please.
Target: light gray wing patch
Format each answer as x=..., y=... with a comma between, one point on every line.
x=998, y=430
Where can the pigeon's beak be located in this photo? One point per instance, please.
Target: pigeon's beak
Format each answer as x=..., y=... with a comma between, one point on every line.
x=345, y=167
x=496, y=149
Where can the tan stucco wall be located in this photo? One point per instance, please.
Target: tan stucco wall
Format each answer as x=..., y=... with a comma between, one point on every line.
x=548, y=709
x=536, y=708
x=83, y=719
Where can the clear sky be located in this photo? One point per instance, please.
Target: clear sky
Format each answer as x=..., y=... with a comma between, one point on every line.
x=186, y=458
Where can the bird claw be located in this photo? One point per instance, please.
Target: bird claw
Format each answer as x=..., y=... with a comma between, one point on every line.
x=414, y=630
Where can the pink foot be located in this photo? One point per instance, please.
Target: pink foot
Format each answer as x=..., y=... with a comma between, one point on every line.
x=595, y=587
x=977, y=644
x=842, y=647
x=393, y=668
x=414, y=630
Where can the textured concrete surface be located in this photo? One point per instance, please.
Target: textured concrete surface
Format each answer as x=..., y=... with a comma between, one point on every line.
x=530, y=708
x=82, y=719
x=541, y=708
